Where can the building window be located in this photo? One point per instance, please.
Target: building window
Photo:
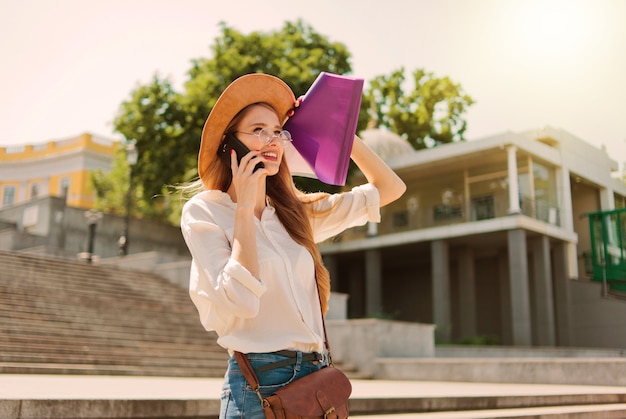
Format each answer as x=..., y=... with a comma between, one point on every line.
x=545, y=190
x=483, y=208
x=34, y=191
x=447, y=212
x=64, y=187
x=8, y=195
x=400, y=219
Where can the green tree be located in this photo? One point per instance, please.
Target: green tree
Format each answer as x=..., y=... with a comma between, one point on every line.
x=111, y=186
x=112, y=189
x=428, y=115
x=156, y=122
x=296, y=54
x=166, y=126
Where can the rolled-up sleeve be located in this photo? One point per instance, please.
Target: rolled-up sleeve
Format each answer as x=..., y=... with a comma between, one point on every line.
x=348, y=209
x=219, y=286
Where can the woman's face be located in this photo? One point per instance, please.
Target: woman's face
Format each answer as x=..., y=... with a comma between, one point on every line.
x=259, y=118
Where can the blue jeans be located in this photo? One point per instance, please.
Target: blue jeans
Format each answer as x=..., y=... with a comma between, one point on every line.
x=239, y=399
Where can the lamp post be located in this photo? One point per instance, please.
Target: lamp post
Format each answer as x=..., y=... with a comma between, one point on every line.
x=92, y=217
x=131, y=159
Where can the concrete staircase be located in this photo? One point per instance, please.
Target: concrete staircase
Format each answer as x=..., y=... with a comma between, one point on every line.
x=80, y=325
x=66, y=317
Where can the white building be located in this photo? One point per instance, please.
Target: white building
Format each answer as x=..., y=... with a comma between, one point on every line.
x=488, y=243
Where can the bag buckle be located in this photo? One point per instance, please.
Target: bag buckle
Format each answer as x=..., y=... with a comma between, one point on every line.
x=328, y=412
x=258, y=393
x=329, y=358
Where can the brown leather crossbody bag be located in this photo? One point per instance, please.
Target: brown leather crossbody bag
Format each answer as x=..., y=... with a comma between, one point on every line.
x=321, y=394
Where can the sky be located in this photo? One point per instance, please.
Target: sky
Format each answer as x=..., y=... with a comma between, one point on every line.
x=67, y=65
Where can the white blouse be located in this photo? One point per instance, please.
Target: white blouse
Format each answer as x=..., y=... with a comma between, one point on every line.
x=279, y=310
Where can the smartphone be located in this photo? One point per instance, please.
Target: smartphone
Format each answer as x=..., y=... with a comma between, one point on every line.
x=231, y=142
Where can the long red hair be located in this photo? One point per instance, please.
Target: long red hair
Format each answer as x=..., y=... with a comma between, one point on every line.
x=293, y=207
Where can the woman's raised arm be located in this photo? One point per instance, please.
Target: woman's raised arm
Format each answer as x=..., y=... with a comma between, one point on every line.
x=388, y=183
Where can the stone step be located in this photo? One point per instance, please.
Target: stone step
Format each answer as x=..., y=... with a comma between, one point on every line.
x=67, y=292
x=145, y=359
x=139, y=320
x=94, y=348
x=160, y=397
x=166, y=320
x=158, y=320
x=351, y=371
x=598, y=411
x=207, y=347
x=109, y=333
x=60, y=316
x=404, y=405
x=587, y=371
x=199, y=371
x=80, y=278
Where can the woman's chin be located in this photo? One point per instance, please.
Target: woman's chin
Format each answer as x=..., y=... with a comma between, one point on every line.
x=272, y=167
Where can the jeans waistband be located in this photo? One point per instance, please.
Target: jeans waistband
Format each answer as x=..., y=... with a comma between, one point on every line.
x=291, y=359
x=294, y=354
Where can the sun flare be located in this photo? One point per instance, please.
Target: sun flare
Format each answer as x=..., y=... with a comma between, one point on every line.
x=554, y=27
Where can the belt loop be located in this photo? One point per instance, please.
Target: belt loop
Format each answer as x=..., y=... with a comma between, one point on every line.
x=299, y=361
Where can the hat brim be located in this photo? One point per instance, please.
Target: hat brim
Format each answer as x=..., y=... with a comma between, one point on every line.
x=243, y=91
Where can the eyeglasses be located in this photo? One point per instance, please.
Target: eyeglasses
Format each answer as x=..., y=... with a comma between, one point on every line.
x=266, y=136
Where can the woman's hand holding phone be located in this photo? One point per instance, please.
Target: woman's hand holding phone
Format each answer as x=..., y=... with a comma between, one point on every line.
x=245, y=169
x=231, y=142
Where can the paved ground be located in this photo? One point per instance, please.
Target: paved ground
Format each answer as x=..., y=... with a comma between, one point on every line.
x=560, y=412
x=80, y=395
x=108, y=387
x=146, y=388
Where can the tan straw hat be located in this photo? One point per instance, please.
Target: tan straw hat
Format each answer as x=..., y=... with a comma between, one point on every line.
x=244, y=91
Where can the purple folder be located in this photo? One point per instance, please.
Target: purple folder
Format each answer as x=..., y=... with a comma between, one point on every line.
x=323, y=128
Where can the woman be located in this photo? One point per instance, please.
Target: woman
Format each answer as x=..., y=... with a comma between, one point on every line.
x=256, y=268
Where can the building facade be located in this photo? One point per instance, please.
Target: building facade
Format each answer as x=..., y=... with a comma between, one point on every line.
x=56, y=168
x=490, y=242
x=487, y=242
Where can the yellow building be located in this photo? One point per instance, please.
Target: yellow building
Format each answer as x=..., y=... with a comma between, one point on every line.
x=56, y=168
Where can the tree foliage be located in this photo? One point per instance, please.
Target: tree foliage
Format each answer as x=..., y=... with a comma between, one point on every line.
x=112, y=188
x=428, y=115
x=166, y=125
x=156, y=122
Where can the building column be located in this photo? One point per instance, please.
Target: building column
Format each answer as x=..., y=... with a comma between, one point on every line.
x=372, y=229
x=562, y=297
x=442, y=313
x=330, y=261
x=356, y=290
x=23, y=193
x=543, y=325
x=514, y=207
x=566, y=213
x=518, y=280
x=467, y=293
x=373, y=283
x=57, y=224
x=505, y=299
x=607, y=199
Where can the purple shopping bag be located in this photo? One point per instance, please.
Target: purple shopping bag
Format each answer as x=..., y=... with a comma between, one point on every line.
x=323, y=128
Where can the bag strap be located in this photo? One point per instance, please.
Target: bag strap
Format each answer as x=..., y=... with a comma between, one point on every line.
x=326, y=343
x=248, y=371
